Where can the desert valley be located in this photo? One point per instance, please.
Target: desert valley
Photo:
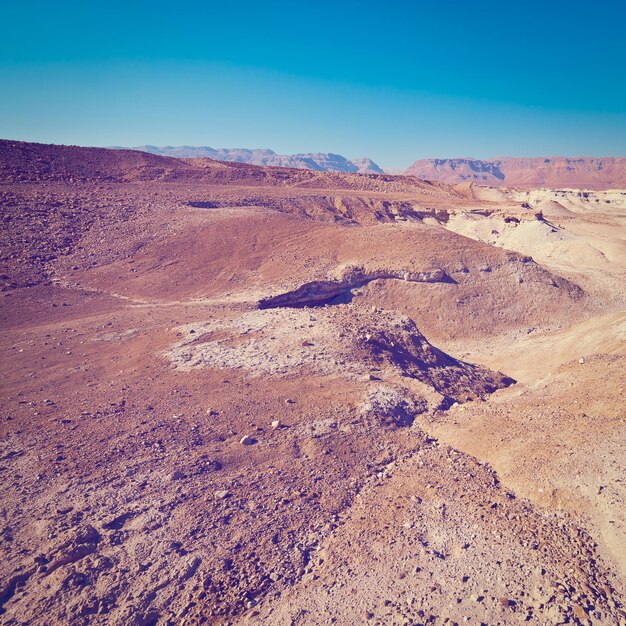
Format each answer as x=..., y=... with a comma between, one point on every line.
x=241, y=394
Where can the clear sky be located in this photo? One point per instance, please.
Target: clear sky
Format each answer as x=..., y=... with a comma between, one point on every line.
x=395, y=81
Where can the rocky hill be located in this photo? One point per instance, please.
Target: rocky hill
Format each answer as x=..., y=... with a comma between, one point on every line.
x=320, y=161
x=595, y=173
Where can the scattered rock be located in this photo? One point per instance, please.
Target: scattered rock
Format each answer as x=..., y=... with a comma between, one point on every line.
x=392, y=405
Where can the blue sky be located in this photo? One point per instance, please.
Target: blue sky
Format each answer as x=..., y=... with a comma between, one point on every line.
x=395, y=81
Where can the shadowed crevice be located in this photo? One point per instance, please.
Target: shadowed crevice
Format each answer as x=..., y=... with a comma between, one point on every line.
x=337, y=291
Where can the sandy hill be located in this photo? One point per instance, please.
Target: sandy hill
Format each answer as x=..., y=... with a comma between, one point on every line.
x=585, y=172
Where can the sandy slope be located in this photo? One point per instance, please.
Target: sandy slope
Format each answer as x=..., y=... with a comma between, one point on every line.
x=578, y=233
x=571, y=379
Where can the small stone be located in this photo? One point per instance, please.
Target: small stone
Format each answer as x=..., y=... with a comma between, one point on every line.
x=222, y=495
x=247, y=441
x=276, y=424
x=581, y=360
x=212, y=411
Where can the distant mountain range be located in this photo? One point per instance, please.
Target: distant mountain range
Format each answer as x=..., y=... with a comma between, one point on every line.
x=600, y=173
x=319, y=161
x=592, y=172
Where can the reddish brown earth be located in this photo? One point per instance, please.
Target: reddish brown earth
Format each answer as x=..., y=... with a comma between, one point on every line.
x=554, y=172
x=173, y=453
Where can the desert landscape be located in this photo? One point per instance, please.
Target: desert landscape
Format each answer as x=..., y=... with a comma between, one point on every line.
x=241, y=394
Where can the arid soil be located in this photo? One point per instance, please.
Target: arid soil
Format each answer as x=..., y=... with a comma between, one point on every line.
x=245, y=395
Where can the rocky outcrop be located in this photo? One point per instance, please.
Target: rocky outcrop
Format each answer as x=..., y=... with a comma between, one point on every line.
x=354, y=342
x=389, y=405
x=347, y=209
x=320, y=292
x=395, y=341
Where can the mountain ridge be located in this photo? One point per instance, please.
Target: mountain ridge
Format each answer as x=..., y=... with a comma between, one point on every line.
x=593, y=172
x=317, y=161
